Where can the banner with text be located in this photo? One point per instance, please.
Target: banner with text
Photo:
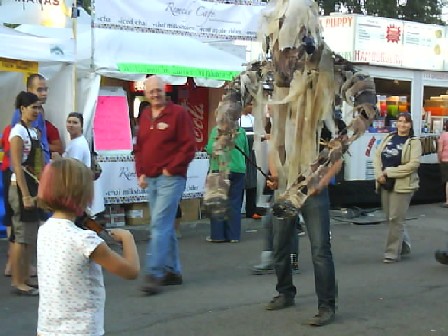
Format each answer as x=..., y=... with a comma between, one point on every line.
x=18, y=66
x=182, y=17
x=384, y=41
x=177, y=70
x=118, y=180
x=195, y=101
x=50, y=13
x=424, y=46
x=334, y=27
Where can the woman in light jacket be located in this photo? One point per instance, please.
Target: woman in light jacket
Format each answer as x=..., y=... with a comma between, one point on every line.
x=396, y=163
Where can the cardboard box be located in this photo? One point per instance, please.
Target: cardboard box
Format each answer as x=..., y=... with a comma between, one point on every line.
x=137, y=214
x=190, y=209
x=117, y=220
x=115, y=215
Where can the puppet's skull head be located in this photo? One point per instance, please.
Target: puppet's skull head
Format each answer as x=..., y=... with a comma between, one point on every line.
x=291, y=32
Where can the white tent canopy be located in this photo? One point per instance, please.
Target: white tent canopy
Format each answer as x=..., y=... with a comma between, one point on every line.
x=17, y=45
x=55, y=58
x=114, y=46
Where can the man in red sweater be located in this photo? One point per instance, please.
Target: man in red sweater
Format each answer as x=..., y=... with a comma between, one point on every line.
x=6, y=176
x=165, y=146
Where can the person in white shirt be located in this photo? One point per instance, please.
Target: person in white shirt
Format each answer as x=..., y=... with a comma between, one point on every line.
x=78, y=148
x=69, y=259
x=246, y=120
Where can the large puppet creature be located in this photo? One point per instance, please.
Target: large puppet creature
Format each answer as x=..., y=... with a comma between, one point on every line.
x=306, y=78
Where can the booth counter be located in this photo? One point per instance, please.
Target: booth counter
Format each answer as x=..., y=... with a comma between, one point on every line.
x=359, y=159
x=355, y=184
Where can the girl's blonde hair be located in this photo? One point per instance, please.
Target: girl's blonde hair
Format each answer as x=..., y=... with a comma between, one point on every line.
x=66, y=185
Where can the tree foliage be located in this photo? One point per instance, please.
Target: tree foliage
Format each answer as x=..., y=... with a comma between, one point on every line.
x=86, y=4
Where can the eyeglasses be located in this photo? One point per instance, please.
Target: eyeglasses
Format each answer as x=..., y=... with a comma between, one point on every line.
x=42, y=89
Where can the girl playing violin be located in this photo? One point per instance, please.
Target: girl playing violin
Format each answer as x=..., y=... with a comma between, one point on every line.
x=72, y=293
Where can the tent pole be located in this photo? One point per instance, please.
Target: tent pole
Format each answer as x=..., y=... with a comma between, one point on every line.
x=92, y=37
x=74, y=17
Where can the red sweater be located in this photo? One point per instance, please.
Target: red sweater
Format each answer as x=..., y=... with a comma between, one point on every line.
x=166, y=142
x=6, y=146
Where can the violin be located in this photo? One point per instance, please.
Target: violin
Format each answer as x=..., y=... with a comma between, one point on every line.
x=88, y=223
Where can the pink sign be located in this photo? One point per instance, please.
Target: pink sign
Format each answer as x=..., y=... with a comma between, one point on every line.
x=111, y=125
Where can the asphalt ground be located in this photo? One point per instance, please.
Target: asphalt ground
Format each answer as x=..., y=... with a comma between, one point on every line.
x=220, y=296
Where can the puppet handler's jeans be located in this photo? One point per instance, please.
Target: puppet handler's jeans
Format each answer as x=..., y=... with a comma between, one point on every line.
x=316, y=212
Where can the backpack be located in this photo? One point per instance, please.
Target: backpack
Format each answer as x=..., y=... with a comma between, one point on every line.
x=95, y=166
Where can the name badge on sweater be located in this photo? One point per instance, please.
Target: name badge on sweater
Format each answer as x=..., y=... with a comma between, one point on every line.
x=162, y=126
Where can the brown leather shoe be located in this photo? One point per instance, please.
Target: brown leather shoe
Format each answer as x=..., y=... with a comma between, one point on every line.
x=172, y=279
x=151, y=285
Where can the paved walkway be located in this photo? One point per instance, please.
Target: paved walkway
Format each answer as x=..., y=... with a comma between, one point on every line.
x=220, y=297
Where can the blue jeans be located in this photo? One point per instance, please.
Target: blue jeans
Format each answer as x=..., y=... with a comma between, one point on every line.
x=230, y=228
x=164, y=194
x=269, y=236
x=316, y=213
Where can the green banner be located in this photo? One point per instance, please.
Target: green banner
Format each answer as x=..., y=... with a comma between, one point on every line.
x=175, y=70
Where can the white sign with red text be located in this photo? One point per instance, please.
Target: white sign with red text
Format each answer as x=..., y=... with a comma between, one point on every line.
x=50, y=13
x=390, y=42
x=358, y=164
x=379, y=41
x=338, y=32
x=216, y=19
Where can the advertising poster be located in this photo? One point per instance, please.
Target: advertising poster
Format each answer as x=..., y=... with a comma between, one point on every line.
x=111, y=124
x=334, y=27
x=195, y=101
x=423, y=46
x=379, y=41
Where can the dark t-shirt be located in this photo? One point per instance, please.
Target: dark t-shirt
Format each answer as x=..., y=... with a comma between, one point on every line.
x=391, y=154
